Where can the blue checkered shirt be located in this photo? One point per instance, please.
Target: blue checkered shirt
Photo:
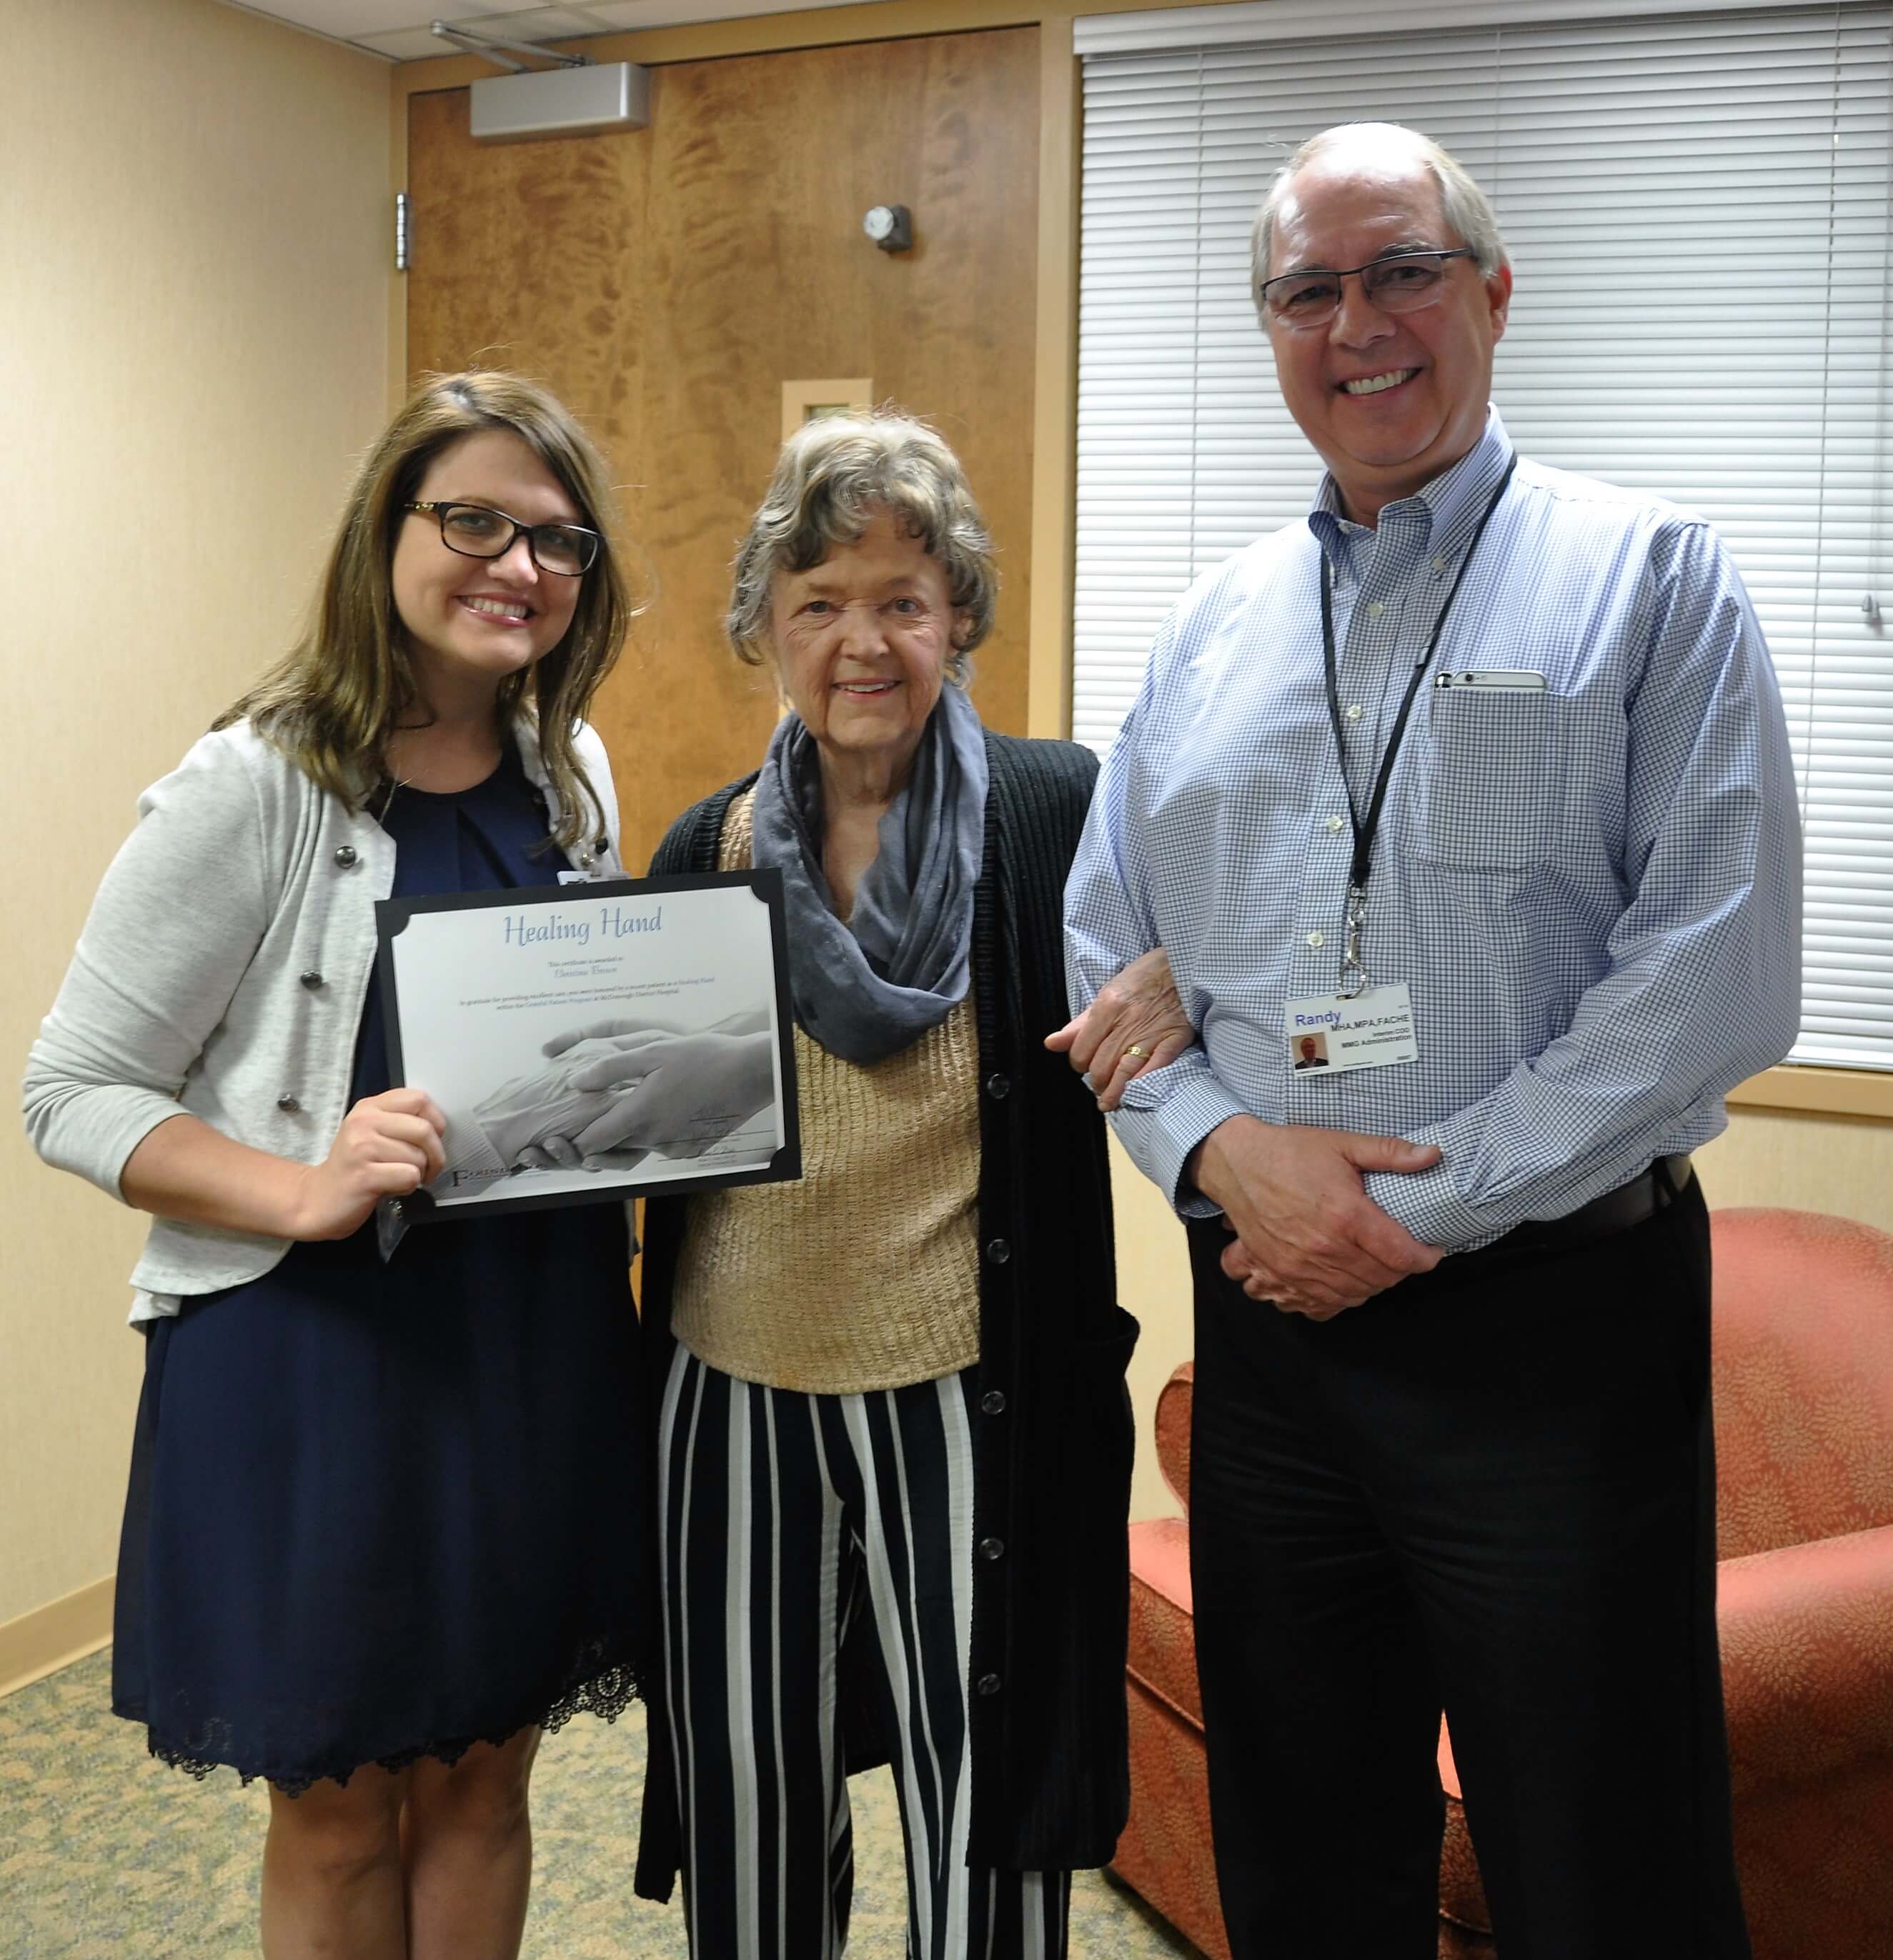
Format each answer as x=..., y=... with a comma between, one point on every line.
x=1593, y=891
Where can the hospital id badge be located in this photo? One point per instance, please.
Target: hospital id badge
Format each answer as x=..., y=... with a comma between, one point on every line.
x=1328, y=1032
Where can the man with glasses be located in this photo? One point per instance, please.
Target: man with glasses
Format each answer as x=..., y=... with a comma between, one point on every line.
x=1480, y=772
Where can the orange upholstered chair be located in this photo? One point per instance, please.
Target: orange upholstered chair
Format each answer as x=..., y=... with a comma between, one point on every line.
x=1164, y=1853
x=1803, y=1321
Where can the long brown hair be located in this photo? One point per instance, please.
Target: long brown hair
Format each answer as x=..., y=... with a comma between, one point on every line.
x=332, y=702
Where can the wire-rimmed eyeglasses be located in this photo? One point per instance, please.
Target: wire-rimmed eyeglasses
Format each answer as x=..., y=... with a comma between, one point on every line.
x=1401, y=282
x=474, y=531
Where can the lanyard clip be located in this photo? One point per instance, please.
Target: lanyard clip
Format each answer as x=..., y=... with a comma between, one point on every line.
x=1353, y=975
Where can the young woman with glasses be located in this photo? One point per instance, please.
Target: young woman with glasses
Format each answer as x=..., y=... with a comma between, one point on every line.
x=385, y=1522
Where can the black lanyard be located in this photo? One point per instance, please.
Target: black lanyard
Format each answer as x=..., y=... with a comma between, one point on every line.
x=1364, y=828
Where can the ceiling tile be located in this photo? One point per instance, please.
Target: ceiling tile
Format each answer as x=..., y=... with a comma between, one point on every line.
x=406, y=44
x=533, y=23
x=398, y=29
x=633, y=13
x=346, y=19
x=373, y=19
x=686, y=13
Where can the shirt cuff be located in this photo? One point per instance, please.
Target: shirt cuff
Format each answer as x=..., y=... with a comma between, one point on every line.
x=1160, y=1139
x=1425, y=1202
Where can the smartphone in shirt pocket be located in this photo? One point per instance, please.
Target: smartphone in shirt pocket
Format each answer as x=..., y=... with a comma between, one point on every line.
x=1495, y=789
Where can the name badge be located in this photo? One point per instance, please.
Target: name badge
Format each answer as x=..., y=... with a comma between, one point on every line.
x=1327, y=1033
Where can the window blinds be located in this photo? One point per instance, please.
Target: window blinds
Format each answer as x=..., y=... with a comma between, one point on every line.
x=1696, y=209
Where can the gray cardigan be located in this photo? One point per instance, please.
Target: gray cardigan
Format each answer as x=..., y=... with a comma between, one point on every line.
x=223, y=970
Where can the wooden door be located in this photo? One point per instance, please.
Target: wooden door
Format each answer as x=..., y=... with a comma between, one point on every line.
x=667, y=282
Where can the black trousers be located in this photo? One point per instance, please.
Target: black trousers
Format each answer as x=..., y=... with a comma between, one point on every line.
x=1492, y=1493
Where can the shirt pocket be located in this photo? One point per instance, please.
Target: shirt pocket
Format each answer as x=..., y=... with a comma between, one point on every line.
x=1493, y=797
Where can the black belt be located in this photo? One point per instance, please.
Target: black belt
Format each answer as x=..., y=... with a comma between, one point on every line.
x=1652, y=1191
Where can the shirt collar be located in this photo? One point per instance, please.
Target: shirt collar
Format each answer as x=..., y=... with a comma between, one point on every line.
x=1447, y=507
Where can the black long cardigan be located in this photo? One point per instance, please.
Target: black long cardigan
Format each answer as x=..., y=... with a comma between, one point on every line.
x=1052, y=1445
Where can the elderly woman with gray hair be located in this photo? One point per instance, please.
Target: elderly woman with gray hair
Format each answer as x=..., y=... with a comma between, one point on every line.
x=894, y=1446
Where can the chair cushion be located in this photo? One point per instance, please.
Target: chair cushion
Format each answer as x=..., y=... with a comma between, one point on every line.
x=1803, y=1377
x=1807, y=1658
x=1813, y=1859
x=1162, y=1650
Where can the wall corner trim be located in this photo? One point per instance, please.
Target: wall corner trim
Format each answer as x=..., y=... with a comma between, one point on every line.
x=56, y=1634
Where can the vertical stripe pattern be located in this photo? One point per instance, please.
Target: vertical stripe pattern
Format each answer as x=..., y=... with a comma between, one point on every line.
x=790, y=1524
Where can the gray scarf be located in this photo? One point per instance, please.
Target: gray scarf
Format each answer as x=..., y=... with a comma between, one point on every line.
x=871, y=987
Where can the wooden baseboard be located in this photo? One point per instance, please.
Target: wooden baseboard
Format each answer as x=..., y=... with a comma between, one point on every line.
x=55, y=1635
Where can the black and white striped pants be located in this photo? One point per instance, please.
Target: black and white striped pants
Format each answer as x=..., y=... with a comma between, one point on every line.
x=785, y=1517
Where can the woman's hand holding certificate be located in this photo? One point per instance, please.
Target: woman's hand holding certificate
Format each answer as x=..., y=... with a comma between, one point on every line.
x=388, y=1145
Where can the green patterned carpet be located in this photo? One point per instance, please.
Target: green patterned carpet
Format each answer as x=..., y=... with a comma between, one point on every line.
x=106, y=1855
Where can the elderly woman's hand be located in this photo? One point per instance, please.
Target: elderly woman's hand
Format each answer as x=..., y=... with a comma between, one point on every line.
x=1136, y=1023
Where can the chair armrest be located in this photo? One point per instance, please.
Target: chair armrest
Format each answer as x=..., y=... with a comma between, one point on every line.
x=1173, y=1431
x=1807, y=1657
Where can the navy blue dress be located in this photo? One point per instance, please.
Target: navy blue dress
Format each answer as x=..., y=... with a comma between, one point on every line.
x=380, y=1513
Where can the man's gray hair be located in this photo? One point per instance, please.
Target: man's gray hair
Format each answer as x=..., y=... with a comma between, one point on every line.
x=1466, y=209
x=833, y=475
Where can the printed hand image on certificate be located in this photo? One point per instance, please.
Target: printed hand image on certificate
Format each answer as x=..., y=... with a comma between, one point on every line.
x=592, y=1040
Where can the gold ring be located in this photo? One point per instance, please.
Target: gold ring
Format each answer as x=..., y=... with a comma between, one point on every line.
x=1139, y=1052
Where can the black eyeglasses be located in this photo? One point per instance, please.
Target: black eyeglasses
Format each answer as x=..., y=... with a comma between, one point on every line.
x=1401, y=282
x=474, y=531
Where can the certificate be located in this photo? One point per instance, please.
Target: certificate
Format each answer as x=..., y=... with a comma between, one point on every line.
x=594, y=1039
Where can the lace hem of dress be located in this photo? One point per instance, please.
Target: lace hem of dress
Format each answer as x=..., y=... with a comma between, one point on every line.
x=606, y=1692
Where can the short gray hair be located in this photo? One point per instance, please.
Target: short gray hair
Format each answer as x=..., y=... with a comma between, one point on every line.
x=833, y=474
x=1467, y=210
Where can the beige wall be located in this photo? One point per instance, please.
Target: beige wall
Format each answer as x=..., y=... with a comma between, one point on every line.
x=1810, y=1163
x=1153, y=1282
x=1841, y=1164
x=194, y=228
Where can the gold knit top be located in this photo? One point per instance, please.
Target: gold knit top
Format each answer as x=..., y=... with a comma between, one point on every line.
x=865, y=1273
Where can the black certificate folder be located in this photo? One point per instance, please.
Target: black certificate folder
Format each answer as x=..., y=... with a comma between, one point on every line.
x=592, y=1040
